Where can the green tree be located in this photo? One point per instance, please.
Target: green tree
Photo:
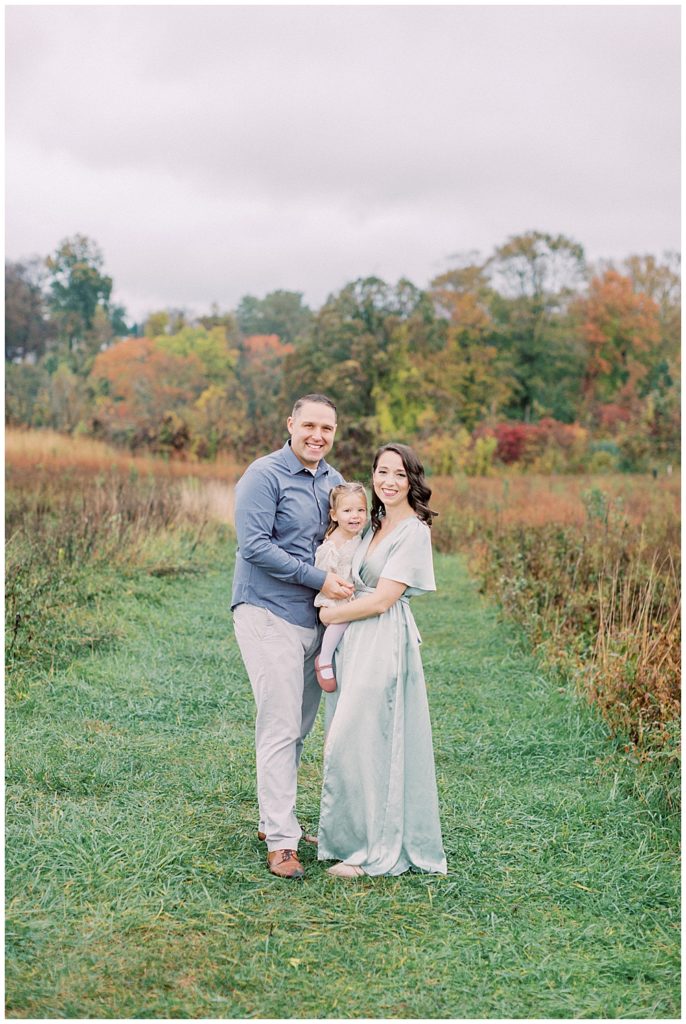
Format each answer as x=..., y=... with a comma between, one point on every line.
x=279, y=312
x=77, y=288
x=156, y=324
x=217, y=423
x=227, y=321
x=24, y=382
x=210, y=346
x=260, y=373
x=468, y=379
x=27, y=331
x=63, y=402
x=363, y=351
x=536, y=278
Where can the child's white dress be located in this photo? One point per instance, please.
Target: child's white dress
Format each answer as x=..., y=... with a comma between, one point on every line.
x=331, y=558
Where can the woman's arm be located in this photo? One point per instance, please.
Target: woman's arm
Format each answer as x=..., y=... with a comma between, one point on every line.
x=387, y=592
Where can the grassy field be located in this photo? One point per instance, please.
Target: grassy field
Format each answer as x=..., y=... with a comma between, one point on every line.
x=136, y=886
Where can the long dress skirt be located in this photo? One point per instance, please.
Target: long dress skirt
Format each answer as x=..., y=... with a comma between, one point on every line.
x=379, y=807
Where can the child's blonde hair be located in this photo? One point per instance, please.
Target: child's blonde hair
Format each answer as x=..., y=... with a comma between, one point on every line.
x=337, y=492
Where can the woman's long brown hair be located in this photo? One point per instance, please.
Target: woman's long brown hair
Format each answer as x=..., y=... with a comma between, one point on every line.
x=419, y=492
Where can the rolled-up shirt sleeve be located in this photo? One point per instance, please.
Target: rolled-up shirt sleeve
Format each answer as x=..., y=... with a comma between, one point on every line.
x=255, y=511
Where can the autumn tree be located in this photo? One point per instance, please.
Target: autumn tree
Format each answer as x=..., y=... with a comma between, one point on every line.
x=661, y=282
x=621, y=328
x=143, y=392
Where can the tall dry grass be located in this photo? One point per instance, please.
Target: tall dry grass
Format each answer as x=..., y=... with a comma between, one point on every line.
x=80, y=516
x=31, y=451
x=590, y=566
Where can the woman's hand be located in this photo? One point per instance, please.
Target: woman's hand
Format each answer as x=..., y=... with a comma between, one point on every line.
x=365, y=606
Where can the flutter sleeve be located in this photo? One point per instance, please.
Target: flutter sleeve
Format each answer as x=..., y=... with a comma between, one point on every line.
x=327, y=556
x=410, y=560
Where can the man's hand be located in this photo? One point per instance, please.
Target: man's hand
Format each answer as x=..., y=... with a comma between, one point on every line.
x=336, y=588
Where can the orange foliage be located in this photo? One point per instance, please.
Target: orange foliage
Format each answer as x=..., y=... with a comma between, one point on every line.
x=143, y=382
x=261, y=346
x=622, y=329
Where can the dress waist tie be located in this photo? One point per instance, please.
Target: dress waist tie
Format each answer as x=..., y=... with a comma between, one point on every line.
x=362, y=589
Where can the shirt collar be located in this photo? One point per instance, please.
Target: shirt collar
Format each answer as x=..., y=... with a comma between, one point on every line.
x=295, y=465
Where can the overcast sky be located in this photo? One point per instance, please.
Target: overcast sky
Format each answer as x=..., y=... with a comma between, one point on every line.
x=215, y=151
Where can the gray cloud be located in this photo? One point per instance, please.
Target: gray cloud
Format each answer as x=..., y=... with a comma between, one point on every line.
x=213, y=151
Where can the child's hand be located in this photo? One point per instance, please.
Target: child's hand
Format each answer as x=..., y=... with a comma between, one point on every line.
x=326, y=615
x=336, y=588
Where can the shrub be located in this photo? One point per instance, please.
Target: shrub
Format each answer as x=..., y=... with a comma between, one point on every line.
x=590, y=568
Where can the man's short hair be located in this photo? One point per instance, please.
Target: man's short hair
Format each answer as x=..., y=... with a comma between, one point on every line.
x=320, y=399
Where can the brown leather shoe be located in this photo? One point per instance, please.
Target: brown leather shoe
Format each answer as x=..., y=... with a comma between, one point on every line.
x=285, y=864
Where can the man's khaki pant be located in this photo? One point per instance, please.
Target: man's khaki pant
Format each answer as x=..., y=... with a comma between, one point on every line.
x=279, y=659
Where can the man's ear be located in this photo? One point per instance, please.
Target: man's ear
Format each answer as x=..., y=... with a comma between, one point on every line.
x=289, y=424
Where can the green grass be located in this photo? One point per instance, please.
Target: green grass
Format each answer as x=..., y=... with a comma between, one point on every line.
x=136, y=886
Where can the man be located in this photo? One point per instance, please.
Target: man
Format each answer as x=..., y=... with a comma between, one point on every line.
x=281, y=513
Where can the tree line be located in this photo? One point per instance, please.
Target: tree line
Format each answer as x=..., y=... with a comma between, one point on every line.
x=528, y=356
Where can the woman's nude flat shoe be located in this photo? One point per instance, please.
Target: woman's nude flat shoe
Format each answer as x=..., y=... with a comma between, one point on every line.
x=343, y=870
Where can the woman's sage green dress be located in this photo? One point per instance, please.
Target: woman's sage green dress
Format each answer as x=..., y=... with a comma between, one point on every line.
x=379, y=805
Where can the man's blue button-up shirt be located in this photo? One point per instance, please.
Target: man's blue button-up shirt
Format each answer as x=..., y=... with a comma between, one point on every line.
x=281, y=513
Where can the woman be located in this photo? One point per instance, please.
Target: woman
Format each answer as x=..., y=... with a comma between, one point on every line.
x=379, y=811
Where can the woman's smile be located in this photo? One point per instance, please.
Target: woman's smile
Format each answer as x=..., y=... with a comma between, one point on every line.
x=390, y=480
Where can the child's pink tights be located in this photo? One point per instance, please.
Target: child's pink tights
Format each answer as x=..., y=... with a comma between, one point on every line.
x=330, y=641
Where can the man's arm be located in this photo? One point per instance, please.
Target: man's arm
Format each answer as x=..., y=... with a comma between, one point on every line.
x=255, y=513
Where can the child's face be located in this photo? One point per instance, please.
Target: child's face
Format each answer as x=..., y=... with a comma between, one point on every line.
x=350, y=513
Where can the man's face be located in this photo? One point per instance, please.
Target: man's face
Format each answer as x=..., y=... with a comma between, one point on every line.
x=312, y=431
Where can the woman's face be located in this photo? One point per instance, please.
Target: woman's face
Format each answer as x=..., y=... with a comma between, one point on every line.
x=390, y=481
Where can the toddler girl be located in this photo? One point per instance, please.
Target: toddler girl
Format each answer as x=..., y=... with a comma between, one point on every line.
x=347, y=517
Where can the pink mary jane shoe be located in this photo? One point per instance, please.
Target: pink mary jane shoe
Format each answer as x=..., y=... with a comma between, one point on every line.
x=327, y=683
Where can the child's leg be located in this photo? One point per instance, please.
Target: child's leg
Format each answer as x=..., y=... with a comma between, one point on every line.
x=330, y=641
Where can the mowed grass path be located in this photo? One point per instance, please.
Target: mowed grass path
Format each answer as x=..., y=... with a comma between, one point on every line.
x=136, y=886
